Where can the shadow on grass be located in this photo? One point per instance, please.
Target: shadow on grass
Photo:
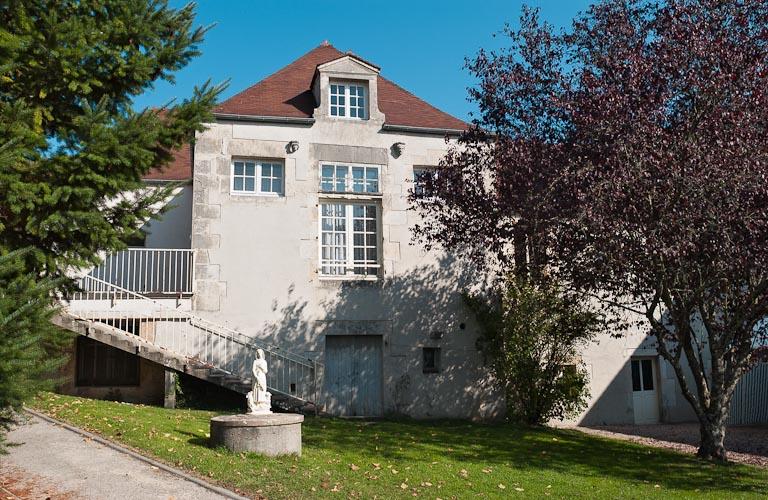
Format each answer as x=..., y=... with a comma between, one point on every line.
x=195, y=439
x=558, y=450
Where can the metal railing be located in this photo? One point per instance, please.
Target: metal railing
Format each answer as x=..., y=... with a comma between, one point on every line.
x=208, y=343
x=149, y=271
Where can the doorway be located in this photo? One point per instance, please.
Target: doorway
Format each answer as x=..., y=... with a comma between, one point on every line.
x=645, y=397
x=353, y=375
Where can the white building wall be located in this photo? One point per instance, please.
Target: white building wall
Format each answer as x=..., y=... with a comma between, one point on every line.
x=257, y=272
x=257, y=263
x=173, y=228
x=607, y=360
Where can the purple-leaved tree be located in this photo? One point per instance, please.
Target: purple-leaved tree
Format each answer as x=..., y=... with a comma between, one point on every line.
x=632, y=151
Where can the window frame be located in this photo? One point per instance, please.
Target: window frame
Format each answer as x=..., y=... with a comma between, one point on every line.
x=347, y=106
x=349, y=244
x=258, y=177
x=643, y=374
x=349, y=179
x=437, y=360
x=419, y=170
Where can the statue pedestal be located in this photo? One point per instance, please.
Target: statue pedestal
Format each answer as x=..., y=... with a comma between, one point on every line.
x=271, y=434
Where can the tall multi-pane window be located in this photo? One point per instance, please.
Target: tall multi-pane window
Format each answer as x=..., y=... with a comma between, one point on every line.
x=349, y=178
x=349, y=242
x=257, y=177
x=348, y=100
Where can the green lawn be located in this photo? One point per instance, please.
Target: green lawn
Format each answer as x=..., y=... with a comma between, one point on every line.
x=386, y=459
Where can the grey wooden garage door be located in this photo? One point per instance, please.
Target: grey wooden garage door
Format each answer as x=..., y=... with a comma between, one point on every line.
x=353, y=375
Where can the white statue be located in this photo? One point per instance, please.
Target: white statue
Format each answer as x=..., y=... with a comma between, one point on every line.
x=259, y=400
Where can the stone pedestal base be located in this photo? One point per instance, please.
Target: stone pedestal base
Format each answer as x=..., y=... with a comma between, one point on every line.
x=272, y=434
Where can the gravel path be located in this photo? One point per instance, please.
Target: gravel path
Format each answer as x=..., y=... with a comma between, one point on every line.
x=747, y=445
x=49, y=461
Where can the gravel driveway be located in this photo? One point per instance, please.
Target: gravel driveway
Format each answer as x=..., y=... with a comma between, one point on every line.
x=748, y=445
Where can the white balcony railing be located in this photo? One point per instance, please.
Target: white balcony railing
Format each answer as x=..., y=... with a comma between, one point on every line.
x=147, y=271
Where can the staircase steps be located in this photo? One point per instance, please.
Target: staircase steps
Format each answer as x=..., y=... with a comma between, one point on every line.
x=129, y=342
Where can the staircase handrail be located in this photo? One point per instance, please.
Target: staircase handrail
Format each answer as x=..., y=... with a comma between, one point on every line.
x=216, y=328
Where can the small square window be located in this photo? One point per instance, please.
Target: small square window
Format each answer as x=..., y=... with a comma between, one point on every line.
x=257, y=177
x=347, y=100
x=430, y=362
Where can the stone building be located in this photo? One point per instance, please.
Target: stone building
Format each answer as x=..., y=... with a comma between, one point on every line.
x=293, y=234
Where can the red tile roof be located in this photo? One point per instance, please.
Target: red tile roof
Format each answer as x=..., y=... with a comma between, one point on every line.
x=179, y=169
x=287, y=93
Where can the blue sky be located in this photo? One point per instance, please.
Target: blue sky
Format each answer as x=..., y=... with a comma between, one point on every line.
x=419, y=44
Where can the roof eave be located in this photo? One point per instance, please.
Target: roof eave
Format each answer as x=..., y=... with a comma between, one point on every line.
x=292, y=120
x=389, y=127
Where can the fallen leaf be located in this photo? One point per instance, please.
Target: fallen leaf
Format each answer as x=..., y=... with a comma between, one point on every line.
x=519, y=489
x=353, y=467
x=502, y=487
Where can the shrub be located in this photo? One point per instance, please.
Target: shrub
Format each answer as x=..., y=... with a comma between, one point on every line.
x=532, y=334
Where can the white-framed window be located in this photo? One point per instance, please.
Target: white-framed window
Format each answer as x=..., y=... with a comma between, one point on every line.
x=347, y=100
x=349, y=239
x=337, y=178
x=257, y=177
x=421, y=179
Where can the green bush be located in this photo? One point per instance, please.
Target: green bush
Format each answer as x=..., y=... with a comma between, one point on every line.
x=532, y=334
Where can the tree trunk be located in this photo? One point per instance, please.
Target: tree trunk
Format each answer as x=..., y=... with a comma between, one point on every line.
x=711, y=445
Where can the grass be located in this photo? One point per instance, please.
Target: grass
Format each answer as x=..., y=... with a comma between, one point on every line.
x=403, y=459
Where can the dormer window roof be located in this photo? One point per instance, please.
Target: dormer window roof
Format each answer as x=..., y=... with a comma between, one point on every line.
x=290, y=93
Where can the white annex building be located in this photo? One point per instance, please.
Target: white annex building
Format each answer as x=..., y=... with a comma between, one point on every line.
x=292, y=234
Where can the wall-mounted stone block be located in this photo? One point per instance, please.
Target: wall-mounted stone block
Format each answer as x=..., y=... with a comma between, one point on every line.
x=210, y=145
x=349, y=154
x=207, y=271
x=395, y=217
x=392, y=250
x=256, y=148
x=206, y=211
x=206, y=241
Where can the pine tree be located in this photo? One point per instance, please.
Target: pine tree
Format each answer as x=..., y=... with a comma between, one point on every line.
x=30, y=345
x=69, y=71
x=73, y=150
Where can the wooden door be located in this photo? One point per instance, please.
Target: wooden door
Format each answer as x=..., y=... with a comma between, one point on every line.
x=353, y=375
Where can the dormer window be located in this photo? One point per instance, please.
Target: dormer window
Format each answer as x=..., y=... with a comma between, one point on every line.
x=348, y=100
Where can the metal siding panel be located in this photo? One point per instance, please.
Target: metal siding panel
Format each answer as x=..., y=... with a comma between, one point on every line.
x=750, y=399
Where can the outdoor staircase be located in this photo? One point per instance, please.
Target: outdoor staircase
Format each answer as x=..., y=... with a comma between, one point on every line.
x=162, y=332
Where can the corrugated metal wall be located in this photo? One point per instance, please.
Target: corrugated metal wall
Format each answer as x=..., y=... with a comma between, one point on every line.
x=750, y=400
